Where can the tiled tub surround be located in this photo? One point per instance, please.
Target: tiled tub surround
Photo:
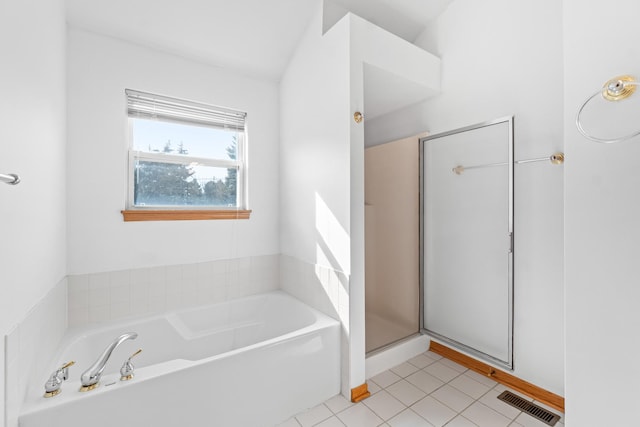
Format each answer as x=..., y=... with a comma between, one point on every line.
x=99, y=297
x=29, y=347
x=201, y=366
x=91, y=301
x=324, y=289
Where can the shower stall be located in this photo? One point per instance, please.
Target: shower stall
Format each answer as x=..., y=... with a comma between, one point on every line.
x=439, y=240
x=391, y=242
x=467, y=239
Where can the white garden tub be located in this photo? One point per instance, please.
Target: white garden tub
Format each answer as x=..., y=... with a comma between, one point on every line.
x=251, y=362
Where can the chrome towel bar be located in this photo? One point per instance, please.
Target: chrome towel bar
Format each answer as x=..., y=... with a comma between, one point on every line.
x=555, y=159
x=11, y=178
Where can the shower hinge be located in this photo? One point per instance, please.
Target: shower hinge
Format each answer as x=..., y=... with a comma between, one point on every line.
x=511, y=242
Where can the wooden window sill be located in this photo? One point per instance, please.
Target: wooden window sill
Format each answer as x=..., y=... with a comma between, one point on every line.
x=184, y=215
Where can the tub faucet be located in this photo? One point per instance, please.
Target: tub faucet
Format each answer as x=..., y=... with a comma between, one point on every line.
x=91, y=376
x=53, y=384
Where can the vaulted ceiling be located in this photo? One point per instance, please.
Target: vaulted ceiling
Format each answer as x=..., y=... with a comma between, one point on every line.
x=253, y=37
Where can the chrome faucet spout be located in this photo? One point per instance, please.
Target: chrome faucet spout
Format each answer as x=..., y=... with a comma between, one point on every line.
x=91, y=376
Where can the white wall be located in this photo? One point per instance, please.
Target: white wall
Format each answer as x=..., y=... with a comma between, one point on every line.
x=32, y=141
x=500, y=58
x=322, y=163
x=315, y=173
x=99, y=70
x=602, y=222
x=399, y=60
x=314, y=149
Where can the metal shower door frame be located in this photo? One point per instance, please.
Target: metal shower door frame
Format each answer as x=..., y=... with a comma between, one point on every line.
x=509, y=363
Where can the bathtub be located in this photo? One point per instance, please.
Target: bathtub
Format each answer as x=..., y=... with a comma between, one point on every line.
x=250, y=362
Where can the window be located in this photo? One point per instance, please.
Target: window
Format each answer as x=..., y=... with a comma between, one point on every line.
x=186, y=159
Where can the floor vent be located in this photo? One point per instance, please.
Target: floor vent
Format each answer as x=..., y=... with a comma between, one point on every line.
x=547, y=417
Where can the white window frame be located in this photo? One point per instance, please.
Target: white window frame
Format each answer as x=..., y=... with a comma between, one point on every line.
x=192, y=114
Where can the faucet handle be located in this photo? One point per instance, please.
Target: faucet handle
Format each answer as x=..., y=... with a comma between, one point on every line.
x=64, y=369
x=126, y=372
x=53, y=384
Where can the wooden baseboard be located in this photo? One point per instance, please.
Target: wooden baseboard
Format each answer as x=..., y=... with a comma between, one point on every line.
x=515, y=383
x=360, y=393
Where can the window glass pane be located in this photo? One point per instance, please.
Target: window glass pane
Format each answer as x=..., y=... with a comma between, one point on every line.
x=173, y=184
x=156, y=136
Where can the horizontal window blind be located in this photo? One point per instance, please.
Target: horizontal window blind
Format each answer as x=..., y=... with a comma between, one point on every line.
x=158, y=107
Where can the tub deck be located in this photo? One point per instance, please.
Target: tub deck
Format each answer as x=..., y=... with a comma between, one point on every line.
x=198, y=365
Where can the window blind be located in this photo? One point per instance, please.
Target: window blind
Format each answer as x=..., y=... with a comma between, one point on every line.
x=158, y=107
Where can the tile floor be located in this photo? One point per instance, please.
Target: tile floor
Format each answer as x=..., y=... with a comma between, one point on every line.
x=425, y=391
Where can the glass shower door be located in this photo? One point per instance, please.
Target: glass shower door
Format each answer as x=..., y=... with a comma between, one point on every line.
x=467, y=243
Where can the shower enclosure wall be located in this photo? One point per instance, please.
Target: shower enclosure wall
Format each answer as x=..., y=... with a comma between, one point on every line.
x=391, y=242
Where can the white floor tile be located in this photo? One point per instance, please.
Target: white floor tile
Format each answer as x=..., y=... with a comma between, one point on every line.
x=500, y=388
x=484, y=416
x=421, y=361
x=491, y=400
x=359, y=416
x=527, y=420
x=384, y=405
x=404, y=370
x=408, y=418
x=431, y=355
x=373, y=387
x=331, y=422
x=483, y=379
x=433, y=411
x=441, y=371
x=385, y=379
x=425, y=391
x=461, y=421
x=406, y=392
x=453, y=365
x=469, y=386
x=424, y=381
x=291, y=422
x=453, y=398
x=338, y=403
x=314, y=415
